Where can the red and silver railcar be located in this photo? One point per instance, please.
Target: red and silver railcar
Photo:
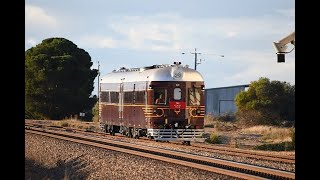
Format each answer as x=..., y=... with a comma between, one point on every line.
x=162, y=102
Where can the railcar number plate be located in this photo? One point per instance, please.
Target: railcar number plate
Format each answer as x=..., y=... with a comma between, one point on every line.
x=177, y=105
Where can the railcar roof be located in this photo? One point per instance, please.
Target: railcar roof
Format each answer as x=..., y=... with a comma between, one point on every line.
x=175, y=72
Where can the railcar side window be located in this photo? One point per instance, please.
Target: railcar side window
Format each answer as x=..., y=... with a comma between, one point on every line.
x=104, y=96
x=177, y=94
x=194, y=96
x=128, y=97
x=160, y=96
x=139, y=97
x=114, y=97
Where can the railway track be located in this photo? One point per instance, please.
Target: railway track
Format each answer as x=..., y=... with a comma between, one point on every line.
x=240, y=152
x=197, y=146
x=246, y=153
x=233, y=169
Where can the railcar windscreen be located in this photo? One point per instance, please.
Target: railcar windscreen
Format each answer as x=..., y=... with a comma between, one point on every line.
x=160, y=96
x=177, y=94
x=194, y=96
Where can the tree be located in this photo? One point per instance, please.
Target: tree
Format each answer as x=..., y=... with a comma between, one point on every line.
x=95, y=112
x=58, y=80
x=269, y=102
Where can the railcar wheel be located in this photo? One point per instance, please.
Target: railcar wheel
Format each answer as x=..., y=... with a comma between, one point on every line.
x=139, y=133
x=105, y=128
x=136, y=133
x=186, y=143
x=149, y=136
x=111, y=130
x=130, y=132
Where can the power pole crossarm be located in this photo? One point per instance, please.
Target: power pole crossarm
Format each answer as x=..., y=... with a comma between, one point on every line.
x=195, y=58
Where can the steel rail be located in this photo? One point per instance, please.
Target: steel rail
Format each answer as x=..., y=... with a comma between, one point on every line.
x=210, y=162
x=215, y=149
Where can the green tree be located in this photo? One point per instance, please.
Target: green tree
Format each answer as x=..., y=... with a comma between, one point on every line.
x=266, y=102
x=58, y=80
x=95, y=112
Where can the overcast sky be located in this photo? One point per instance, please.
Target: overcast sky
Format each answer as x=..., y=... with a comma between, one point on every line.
x=137, y=33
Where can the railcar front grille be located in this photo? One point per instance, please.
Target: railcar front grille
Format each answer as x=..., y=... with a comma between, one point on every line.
x=177, y=134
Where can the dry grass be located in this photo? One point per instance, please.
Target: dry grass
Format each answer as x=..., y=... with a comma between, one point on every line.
x=219, y=125
x=78, y=124
x=235, y=135
x=270, y=133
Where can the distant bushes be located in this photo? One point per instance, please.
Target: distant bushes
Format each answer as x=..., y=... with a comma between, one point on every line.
x=266, y=103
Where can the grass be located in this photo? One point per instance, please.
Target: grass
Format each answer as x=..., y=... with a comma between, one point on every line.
x=212, y=122
x=77, y=124
x=270, y=133
x=271, y=138
x=214, y=139
x=282, y=146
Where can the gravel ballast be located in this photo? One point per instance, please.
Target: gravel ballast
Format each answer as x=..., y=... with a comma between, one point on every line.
x=48, y=158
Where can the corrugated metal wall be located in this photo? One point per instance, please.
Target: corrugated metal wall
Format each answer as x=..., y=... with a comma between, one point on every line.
x=221, y=100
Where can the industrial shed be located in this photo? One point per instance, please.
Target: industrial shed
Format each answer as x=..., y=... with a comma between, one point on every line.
x=220, y=101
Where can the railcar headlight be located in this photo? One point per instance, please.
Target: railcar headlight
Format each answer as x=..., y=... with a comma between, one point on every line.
x=158, y=112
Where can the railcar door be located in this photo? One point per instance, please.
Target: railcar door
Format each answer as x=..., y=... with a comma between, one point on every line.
x=121, y=96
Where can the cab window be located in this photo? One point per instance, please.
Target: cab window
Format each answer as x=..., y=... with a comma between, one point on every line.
x=160, y=96
x=194, y=96
x=177, y=94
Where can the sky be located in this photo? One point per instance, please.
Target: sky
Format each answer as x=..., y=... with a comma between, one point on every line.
x=138, y=33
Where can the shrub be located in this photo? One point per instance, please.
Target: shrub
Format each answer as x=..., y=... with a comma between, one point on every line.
x=293, y=136
x=274, y=100
x=226, y=117
x=208, y=119
x=209, y=125
x=64, y=124
x=283, y=146
x=214, y=139
x=218, y=123
x=248, y=118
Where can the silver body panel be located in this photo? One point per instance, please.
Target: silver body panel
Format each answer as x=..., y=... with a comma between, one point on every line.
x=160, y=73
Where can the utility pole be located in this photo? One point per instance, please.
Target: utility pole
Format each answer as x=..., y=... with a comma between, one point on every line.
x=195, y=58
x=98, y=80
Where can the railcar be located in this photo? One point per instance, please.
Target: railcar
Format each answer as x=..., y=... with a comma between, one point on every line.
x=162, y=102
